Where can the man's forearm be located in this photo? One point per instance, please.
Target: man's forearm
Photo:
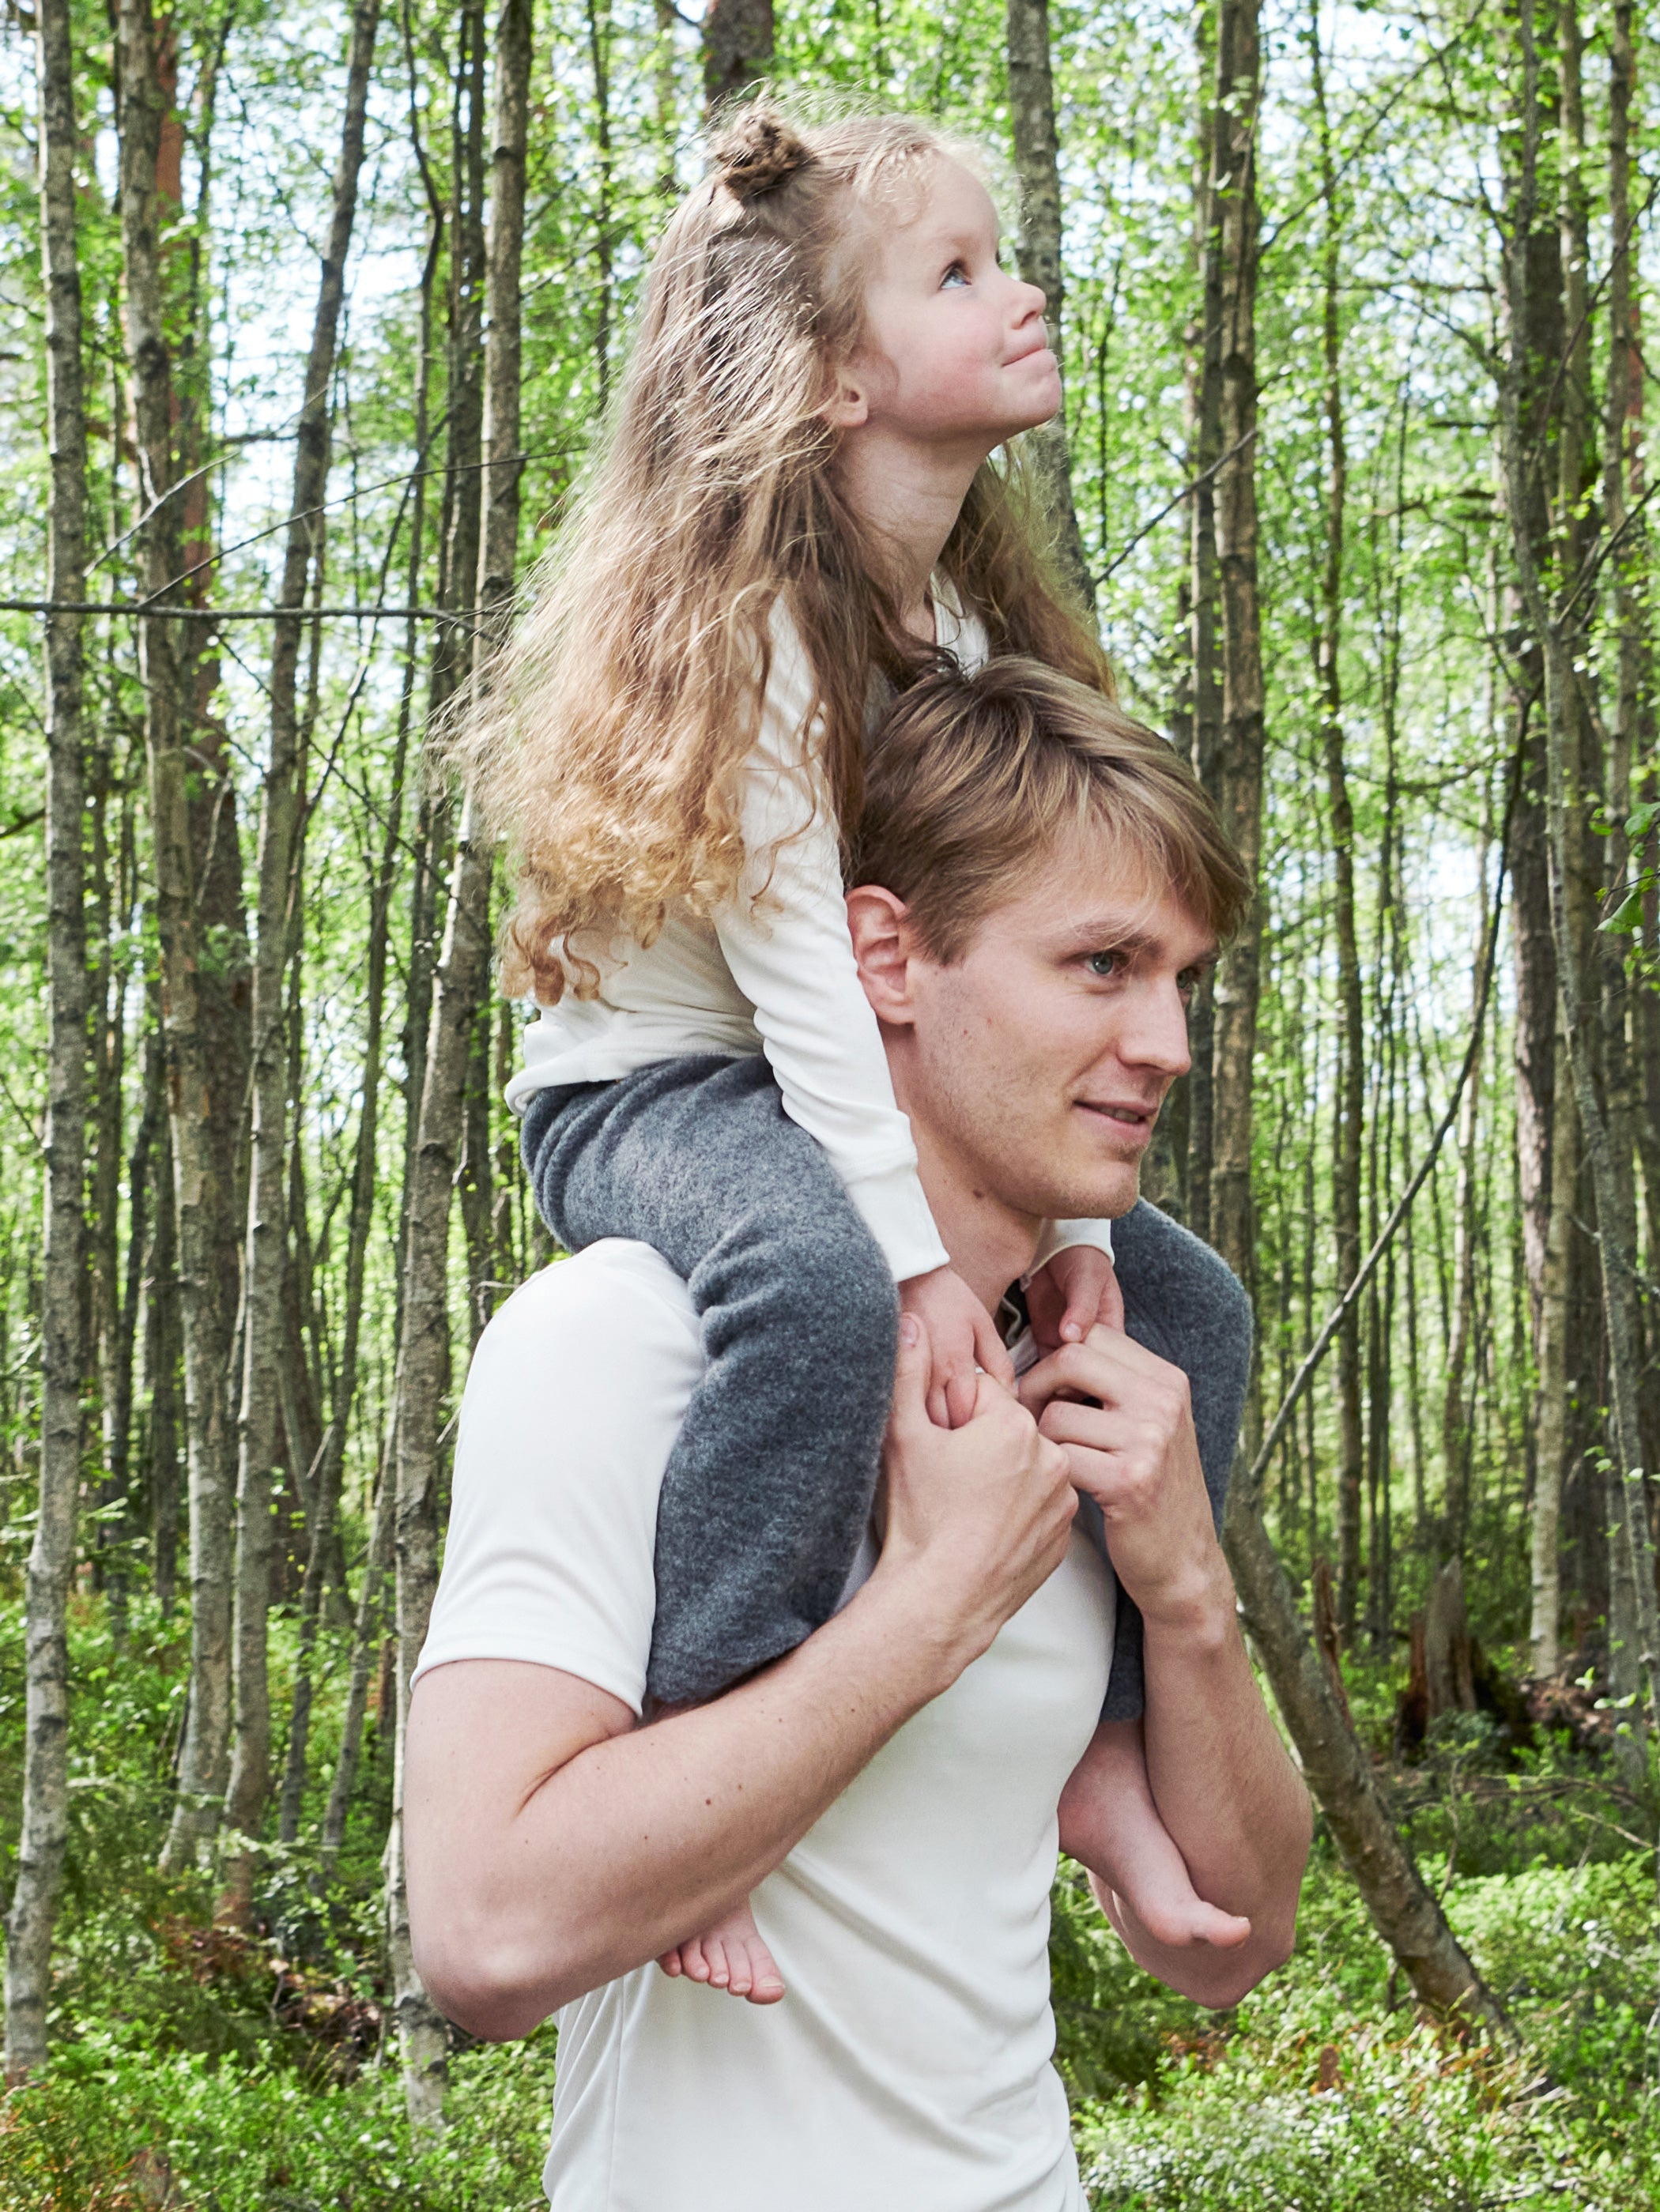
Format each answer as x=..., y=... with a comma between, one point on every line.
x=639, y=1840
x=1221, y=1777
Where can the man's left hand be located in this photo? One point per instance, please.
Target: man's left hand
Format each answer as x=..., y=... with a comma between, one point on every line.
x=1123, y=1418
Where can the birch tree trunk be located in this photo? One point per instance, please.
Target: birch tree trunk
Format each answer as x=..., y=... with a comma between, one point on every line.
x=737, y=47
x=1604, y=1125
x=1350, y=1079
x=44, y=1826
x=201, y=1200
x=1205, y=677
x=366, y=1641
x=463, y=975
x=1235, y=219
x=1551, y=1402
x=280, y=830
x=1456, y=1440
x=1037, y=166
x=1631, y=740
x=1340, y=1774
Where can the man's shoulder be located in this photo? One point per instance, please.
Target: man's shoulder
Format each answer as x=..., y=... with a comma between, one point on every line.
x=613, y=1317
x=574, y=1398
x=617, y=1278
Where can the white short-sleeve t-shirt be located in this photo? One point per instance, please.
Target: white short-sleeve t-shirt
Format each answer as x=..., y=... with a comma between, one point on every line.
x=909, y=2069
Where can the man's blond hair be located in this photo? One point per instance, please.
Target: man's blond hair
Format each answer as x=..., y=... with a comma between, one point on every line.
x=972, y=780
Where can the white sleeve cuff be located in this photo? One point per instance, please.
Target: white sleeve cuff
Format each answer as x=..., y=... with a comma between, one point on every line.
x=1062, y=1235
x=897, y=1214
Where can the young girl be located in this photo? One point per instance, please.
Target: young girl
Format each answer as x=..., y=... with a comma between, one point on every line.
x=794, y=515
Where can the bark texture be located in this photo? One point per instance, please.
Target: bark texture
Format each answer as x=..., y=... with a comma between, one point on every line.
x=44, y=1824
x=1203, y=592
x=279, y=830
x=1602, y=1093
x=737, y=47
x=1341, y=1776
x=458, y=991
x=1346, y=1132
x=201, y=1202
x=1037, y=165
x=1233, y=242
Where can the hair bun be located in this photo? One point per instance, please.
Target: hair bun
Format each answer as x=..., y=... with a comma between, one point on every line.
x=757, y=152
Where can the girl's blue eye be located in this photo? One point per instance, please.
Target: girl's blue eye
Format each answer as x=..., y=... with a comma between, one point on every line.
x=956, y=274
x=1104, y=964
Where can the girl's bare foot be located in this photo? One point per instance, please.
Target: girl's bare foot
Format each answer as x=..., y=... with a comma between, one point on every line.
x=1166, y=1903
x=729, y=1956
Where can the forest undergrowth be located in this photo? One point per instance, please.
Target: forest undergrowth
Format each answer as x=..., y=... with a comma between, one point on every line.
x=199, y=2068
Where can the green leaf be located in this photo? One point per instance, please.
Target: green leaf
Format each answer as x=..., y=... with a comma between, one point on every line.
x=1628, y=916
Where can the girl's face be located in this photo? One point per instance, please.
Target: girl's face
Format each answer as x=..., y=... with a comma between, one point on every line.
x=955, y=353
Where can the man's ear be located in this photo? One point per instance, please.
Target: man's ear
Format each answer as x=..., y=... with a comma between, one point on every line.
x=885, y=945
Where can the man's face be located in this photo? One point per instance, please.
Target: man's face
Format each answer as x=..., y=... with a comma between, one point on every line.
x=1034, y=1066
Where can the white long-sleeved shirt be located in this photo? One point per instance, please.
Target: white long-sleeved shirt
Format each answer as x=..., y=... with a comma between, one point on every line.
x=778, y=977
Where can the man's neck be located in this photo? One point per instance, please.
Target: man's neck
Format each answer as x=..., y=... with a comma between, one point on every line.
x=911, y=497
x=990, y=1245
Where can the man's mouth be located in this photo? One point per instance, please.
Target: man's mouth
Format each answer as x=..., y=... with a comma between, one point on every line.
x=1133, y=1120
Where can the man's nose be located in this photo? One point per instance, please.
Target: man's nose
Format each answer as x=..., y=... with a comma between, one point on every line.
x=1156, y=1036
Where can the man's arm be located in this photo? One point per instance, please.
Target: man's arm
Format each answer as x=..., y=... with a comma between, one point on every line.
x=552, y=1846
x=1220, y=1780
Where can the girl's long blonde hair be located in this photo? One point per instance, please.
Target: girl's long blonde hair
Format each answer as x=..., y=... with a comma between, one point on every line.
x=608, y=744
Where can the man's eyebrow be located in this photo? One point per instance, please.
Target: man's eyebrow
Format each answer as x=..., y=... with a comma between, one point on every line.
x=1106, y=936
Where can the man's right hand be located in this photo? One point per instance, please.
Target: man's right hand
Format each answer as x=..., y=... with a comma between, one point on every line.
x=977, y=1518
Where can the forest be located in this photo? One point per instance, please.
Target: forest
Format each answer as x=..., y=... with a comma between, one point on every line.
x=308, y=317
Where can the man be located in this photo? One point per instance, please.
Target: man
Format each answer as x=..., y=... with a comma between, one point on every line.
x=1039, y=889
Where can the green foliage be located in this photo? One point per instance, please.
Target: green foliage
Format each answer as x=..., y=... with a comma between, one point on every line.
x=251, y=2137
x=252, y=2073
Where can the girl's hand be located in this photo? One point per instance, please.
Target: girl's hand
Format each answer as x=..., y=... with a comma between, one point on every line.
x=1070, y=1294
x=958, y=1335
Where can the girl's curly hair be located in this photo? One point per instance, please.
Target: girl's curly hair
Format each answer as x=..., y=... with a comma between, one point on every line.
x=606, y=744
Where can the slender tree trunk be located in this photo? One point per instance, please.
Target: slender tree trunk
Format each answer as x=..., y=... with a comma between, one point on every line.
x=469, y=278
x=1205, y=679
x=1604, y=1122
x=359, y=1222
x=665, y=100
x=1037, y=166
x=279, y=830
x=1633, y=736
x=464, y=969
x=201, y=1200
x=1551, y=1405
x=163, y=1350
x=1340, y=1773
x=44, y=1825
x=367, y=1635
x=737, y=47
x=1456, y=1441
x=1237, y=982
x=111, y=878
x=1347, y=1135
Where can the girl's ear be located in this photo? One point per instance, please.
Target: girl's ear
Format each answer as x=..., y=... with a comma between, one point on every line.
x=849, y=404
x=882, y=945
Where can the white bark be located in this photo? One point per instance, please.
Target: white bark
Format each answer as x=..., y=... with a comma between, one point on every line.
x=280, y=829
x=51, y=1556
x=1037, y=164
x=464, y=969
